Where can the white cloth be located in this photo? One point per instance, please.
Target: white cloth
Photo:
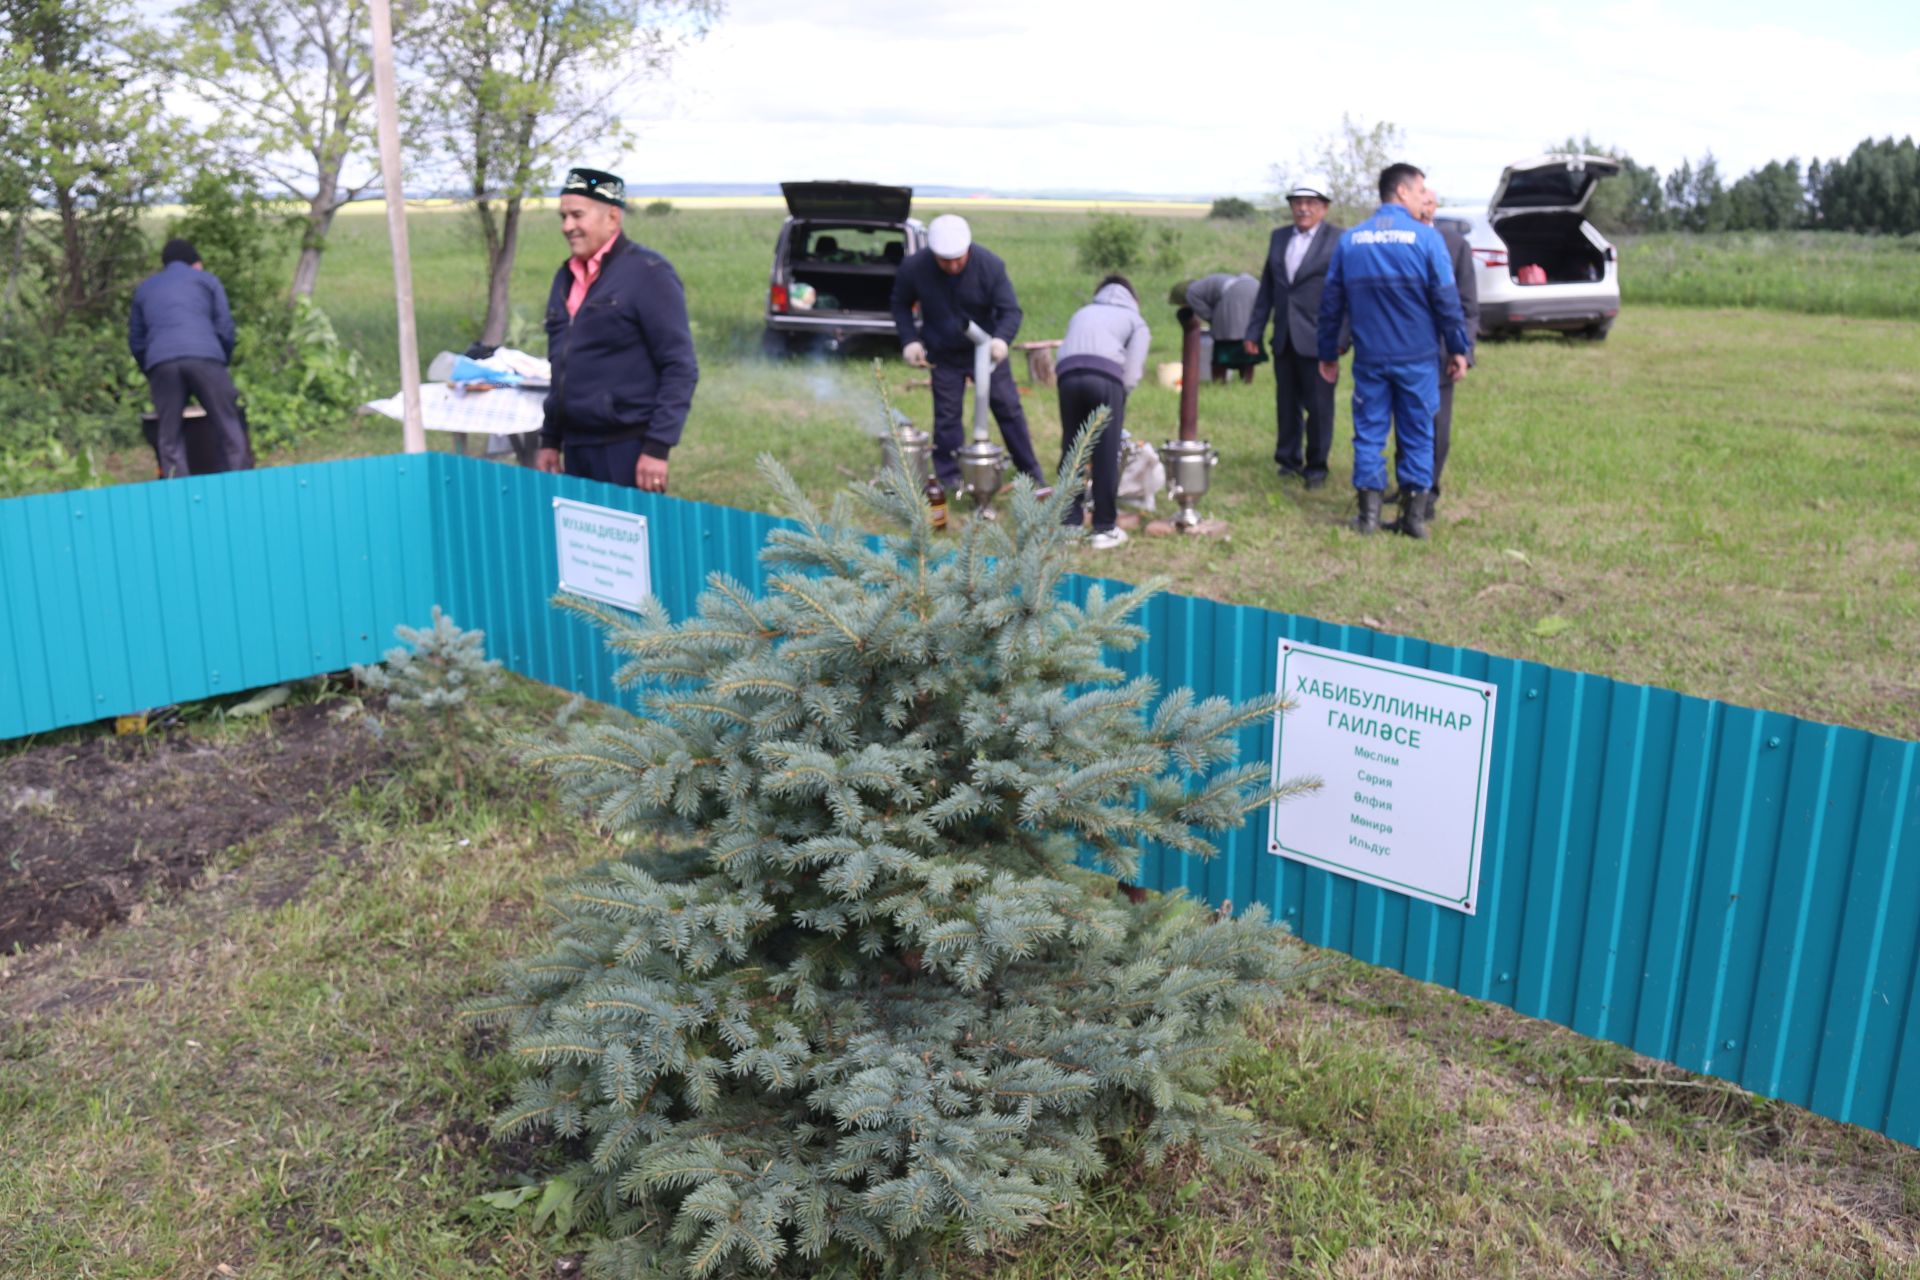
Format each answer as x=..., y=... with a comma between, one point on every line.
x=1142, y=474
x=1297, y=245
x=444, y=407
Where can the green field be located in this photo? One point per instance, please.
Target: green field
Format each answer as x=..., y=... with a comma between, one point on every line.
x=1810, y=271
x=1713, y=500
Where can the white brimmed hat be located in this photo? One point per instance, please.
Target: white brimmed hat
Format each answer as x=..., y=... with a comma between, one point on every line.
x=1314, y=186
x=949, y=236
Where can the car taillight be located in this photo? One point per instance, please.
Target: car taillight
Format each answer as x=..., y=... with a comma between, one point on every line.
x=1491, y=257
x=777, y=298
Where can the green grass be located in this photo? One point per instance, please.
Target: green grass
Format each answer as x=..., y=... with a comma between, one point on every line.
x=1822, y=273
x=266, y=1075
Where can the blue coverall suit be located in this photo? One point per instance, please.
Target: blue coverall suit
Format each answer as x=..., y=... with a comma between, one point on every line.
x=1391, y=277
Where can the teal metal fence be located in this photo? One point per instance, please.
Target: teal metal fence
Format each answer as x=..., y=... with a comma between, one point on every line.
x=1730, y=890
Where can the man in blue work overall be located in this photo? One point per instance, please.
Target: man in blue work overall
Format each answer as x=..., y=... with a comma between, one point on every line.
x=620, y=346
x=1391, y=278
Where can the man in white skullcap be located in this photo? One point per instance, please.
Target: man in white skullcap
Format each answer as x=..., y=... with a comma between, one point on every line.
x=1290, y=288
x=956, y=282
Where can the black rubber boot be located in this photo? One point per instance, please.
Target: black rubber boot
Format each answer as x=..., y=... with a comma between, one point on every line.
x=1413, y=511
x=1433, y=496
x=1367, y=519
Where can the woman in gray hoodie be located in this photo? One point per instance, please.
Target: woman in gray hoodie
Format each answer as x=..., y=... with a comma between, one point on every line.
x=1100, y=361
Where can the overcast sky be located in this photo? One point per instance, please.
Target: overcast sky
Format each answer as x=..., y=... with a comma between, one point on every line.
x=1202, y=98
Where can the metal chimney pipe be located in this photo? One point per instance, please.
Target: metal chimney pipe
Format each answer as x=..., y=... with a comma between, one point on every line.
x=1189, y=460
x=982, y=378
x=1189, y=374
x=983, y=464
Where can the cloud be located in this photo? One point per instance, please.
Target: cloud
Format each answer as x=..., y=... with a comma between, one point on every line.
x=1127, y=95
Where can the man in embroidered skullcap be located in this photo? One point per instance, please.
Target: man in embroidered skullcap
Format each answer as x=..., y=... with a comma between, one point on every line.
x=619, y=343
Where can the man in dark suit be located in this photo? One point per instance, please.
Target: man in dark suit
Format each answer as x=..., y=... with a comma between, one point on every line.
x=1290, y=287
x=1460, y=253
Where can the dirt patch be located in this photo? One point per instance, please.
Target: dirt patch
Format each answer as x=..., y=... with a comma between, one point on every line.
x=88, y=831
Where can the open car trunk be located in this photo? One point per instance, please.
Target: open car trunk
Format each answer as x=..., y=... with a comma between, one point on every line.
x=1558, y=243
x=851, y=264
x=842, y=199
x=847, y=288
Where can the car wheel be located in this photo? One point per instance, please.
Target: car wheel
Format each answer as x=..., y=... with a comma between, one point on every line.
x=775, y=345
x=1597, y=332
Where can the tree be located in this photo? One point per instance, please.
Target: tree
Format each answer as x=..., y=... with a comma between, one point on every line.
x=504, y=85
x=86, y=140
x=875, y=994
x=1694, y=197
x=1876, y=188
x=1677, y=192
x=292, y=81
x=1350, y=159
x=1771, y=198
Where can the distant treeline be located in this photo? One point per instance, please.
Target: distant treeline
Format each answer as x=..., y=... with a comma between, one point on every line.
x=1876, y=189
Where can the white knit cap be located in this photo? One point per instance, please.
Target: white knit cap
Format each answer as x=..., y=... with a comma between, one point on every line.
x=949, y=236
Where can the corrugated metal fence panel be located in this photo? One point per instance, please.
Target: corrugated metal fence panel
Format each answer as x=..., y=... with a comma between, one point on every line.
x=114, y=600
x=499, y=563
x=1731, y=890
x=1734, y=891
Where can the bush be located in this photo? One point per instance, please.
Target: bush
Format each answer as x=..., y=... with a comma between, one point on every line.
x=295, y=375
x=1168, y=254
x=1112, y=242
x=659, y=208
x=1234, y=209
x=47, y=467
x=872, y=996
x=241, y=238
x=77, y=385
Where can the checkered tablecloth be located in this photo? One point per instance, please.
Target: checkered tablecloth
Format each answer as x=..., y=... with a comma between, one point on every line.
x=504, y=411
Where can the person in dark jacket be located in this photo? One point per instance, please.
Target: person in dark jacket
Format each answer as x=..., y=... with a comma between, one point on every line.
x=1390, y=278
x=620, y=346
x=1290, y=285
x=1101, y=360
x=181, y=333
x=956, y=282
x=1460, y=255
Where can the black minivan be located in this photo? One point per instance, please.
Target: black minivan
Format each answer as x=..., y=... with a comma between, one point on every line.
x=834, y=263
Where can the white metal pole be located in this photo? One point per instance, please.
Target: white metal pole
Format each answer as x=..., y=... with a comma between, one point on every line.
x=387, y=111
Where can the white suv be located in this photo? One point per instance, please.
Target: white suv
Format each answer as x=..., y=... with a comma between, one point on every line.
x=1538, y=263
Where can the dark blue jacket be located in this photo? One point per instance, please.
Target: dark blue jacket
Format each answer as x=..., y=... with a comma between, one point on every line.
x=981, y=293
x=180, y=314
x=1392, y=277
x=623, y=368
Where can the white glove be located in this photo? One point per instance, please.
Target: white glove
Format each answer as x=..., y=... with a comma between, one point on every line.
x=915, y=354
x=998, y=348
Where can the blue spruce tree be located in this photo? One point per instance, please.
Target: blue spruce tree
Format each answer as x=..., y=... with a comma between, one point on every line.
x=878, y=998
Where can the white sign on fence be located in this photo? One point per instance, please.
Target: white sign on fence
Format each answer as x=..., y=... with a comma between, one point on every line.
x=603, y=553
x=1403, y=755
